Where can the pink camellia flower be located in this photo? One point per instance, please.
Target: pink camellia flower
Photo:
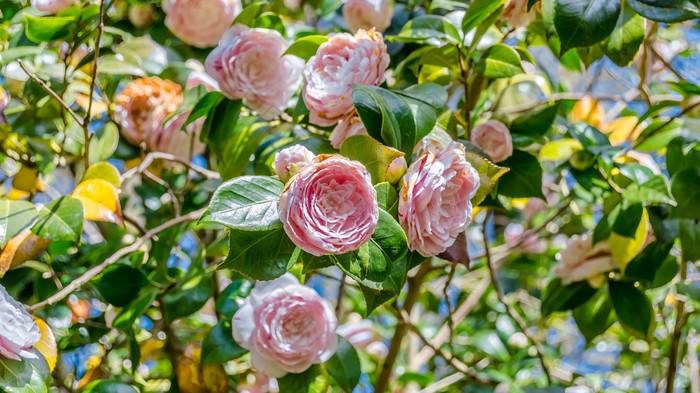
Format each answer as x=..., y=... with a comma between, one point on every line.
x=4, y=101
x=291, y=161
x=351, y=125
x=494, y=138
x=342, y=61
x=580, y=260
x=516, y=13
x=435, y=198
x=286, y=326
x=360, y=333
x=18, y=331
x=367, y=14
x=196, y=78
x=201, y=23
x=531, y=243
x=248, y=63
x=51, y=6
x=330, y=207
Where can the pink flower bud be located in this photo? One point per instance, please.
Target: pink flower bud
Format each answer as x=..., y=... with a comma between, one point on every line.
x=291, y=161
x=286, y=327
x=201, y=23
x=351, y=125
x=494, y=138
x=367, y=14
x=51, y=6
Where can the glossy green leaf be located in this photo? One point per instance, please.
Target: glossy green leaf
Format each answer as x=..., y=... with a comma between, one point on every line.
x=190, y=297
x=263, y=255
x=499, y=61
x=125, y=320
x=227, y=301
x=654, y=190
x=345, y=365
x=219, y=346
x=478, y=12
x=120, y=284
x=387, y=198
x=582, y=23
x=558, y=297
x=373, y=155
x=247, y=203
x=105, y=386
x=15, y=217
x=429, y=26
x=645, y=265
x=627, y=220
x=103, y=170
x=386, y=116
x=594, y=316
x=24, y=376
x=306, y=47
x=685, y=190
x=103, y=142
x=302, y=382
x=633, y=309
x=689, y=234
x=665, y=11
x=624, y=42
x=489, y=342
x=48, y=28
x=524, y=179
x=488, y=173
x=60, y=220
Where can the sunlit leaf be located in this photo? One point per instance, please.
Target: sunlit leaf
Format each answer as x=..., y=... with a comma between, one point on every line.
x=100, y=199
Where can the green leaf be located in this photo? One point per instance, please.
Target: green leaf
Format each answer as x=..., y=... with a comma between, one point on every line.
x=302, y=382
x=386, y=116
x=499, y=61
x=270, y=21
x=241, y=145
x=306, y=47
x=120, y=284
x=645, y=265
x=665, y=11
x=689, y=234
x=105, y=386
x=227, y=301
x=10, y=54
x=690, y=290
x=15, y=217
x=248, y=203
x=135, y=309
x=311, y=262
x=373, y=155
x=524, y=179
x=582, y=23
x=105, y=171
x=103, y=143
x=633, y=309
x=219, y=346
x=190, y=98
x=684, y=187
x=263, y=255
x=489, y=342
x=48, y=28
x=220, y=125
x=203, y=106
x=24, y=376
x=376, y=295
x=654, y=190
x=429, y=26
x=534, y=125
x=426, y=100
x=60, y=220
x=595, y=316
x=189, y=298
x=624, y=42
x=478, y=12
x=388, y=198
x=249, y=14
x=682, y=154
x=489, y=174
x=558, y=297
x=627, y=220
x=345, y=365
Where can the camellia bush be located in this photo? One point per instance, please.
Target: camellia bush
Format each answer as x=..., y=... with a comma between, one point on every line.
x=209, y=196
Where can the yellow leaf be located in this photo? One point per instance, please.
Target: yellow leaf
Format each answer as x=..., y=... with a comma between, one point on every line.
x=98, y=107
x=589, y=111
x=47, y=343
x=21, y=248
x=105, y=171
x=624, y=249
x=211, y=378
x=27, y=179
x=560, y=149
x=100, y=199
x=622, y=130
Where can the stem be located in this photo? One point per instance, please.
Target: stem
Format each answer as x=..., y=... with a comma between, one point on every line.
x=150, y=157
x=516, y=317
x=676, y=338
x=414, y=284
x=654, y=132
x=93, y=80
x=90, y=274
x=465, y=81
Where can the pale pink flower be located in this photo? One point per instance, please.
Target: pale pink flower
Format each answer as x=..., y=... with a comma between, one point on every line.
x=580, y=260
x=531, y=243
x=291, y=161
x=51, y=6
x=196, y=78
x=342, y=61
x=435, y=198
x=248, y=63
x=516, y=15
x=201, y=23
x=360, y=333
x=18, y=331
x=351, y=125
x=4, y=101
x=330, y=207
x=286, y=326
x=494, y=138
x=367, y=14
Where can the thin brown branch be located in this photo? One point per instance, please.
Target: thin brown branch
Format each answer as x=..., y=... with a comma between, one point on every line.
x=150, y=157
x=513, y=314
x=659, y=129
x=93, y=80
x=168, y=189
x=51, y=92
x=90, y=274
x=681, y=319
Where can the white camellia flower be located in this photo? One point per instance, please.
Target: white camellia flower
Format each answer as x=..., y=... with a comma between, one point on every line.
x=18, y=331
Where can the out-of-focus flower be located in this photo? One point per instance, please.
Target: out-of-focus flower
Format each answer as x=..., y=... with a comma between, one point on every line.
x=360, y=333
x=142, y=15
x=435, y=198
x=589, y=111
x=494, y=138
x=342, y=61
x=367, y=14
x=330, y=207
x=580, y=260
x=259, y=383
x=18, y=331
x=531, y=243
x=516, y=14
x=351, y=125
x=4, y=101
x=51, y=6
x=201, y=23
x=286, y=327
x=248, y=63
x=291, y=161
x=196, y=78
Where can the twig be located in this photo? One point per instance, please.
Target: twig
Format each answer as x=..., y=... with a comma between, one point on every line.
x=681, y=319
x=666, y=63
x=150, y=157
x=49, y=90
x=168, y=189
x=654, y=132
x=90, y=274
x=450, y=322
x=693, y=366
x=465, y=82
x=93, y=80
x=341, y=292
x=542, y=226
x=513, y=314
x=440, y=385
